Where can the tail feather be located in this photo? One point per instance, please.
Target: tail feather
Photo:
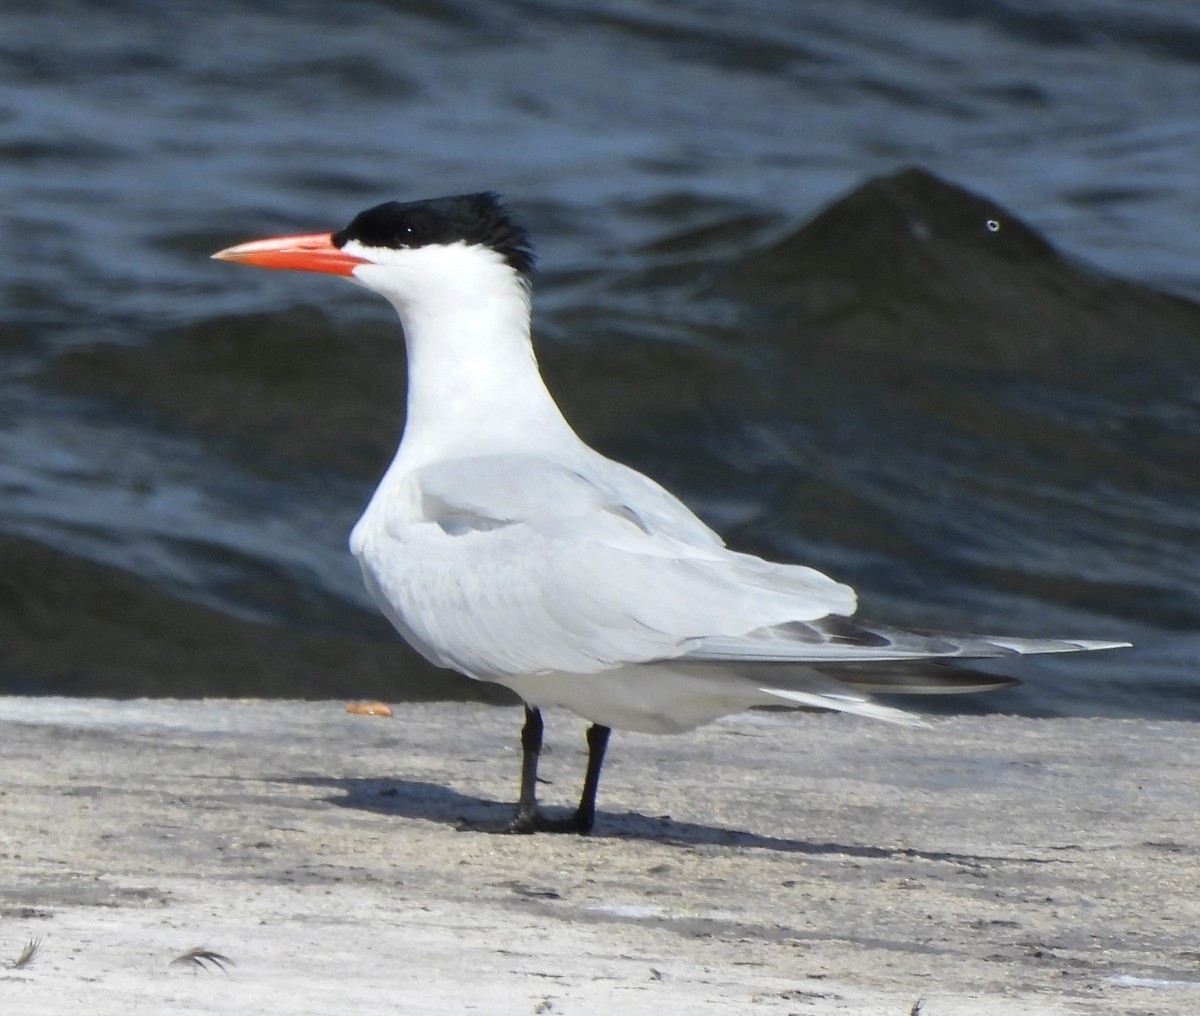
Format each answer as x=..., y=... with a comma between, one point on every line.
x=848, y=689
x=921, y=678
x=846, y=702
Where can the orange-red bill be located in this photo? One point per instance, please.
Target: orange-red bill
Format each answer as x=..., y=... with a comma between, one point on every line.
x=313, y=252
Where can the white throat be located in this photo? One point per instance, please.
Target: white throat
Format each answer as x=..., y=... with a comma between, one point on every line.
x=473, y=381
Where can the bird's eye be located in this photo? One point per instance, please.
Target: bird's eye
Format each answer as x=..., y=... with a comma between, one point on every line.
x=993, y=225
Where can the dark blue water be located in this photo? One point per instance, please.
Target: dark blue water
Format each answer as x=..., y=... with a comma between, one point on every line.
x=742, y=292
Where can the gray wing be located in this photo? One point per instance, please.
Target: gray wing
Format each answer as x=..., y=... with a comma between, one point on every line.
x=518, y=565
x=513, y=564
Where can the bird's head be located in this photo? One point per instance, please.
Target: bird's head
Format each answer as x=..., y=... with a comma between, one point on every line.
x=405, y=249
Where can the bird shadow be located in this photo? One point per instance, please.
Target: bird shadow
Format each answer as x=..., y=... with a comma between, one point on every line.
x=416, y=799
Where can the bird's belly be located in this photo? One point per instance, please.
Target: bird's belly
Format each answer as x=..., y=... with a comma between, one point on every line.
x=651, y=698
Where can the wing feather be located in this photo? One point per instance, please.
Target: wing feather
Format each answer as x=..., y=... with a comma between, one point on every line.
x=506, y=565
x=512, y=565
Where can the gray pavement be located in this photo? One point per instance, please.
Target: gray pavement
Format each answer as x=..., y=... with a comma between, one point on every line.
x=772, y=863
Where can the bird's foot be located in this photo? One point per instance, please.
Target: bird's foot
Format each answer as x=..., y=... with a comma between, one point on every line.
x=526, y=821
x=523, y=822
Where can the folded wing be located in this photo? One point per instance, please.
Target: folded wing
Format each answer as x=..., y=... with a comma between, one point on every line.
x=510, y=565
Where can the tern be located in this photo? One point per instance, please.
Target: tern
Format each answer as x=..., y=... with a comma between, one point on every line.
x=502, y=546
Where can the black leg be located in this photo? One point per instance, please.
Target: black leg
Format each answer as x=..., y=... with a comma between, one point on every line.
x=597, y=739
x=527, y=818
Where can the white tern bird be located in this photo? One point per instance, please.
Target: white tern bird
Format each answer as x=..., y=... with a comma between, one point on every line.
x=503, y=547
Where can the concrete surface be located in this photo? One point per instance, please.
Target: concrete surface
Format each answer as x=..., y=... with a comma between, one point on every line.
x=809, y=864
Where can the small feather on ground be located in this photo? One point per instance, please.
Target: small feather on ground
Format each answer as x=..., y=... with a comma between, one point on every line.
x=28, y=954
x=203, y=959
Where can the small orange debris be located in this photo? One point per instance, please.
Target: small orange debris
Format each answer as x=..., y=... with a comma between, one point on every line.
x=369, y=709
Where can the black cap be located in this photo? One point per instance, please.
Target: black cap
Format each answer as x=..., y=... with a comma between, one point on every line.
x=474, y=219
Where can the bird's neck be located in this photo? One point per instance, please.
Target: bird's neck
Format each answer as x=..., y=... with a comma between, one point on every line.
x=473, y=380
